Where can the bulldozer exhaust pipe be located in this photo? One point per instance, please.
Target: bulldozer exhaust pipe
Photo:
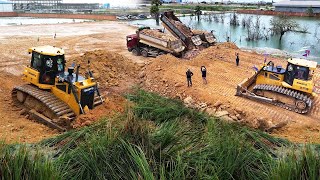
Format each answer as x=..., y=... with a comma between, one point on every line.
x=77, y=73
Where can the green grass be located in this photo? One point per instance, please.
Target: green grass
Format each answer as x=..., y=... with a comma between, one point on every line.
x=159, y=138
x=21, y=162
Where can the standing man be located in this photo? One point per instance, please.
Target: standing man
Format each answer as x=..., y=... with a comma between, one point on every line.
x=204, y=74
x=237, y=59
x=189, y=75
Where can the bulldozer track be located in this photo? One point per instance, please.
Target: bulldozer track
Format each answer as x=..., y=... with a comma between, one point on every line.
x=60, y=111
x=290, y=93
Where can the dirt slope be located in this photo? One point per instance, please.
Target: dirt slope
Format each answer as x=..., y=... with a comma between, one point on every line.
x=166, y=74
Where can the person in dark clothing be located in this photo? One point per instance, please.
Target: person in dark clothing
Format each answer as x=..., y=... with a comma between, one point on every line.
x=189, y=75
x=204, y=74
x=237, y=59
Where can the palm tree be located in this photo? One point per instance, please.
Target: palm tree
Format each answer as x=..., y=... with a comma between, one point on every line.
x=154, y=10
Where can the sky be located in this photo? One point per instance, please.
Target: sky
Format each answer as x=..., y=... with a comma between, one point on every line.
x=135, y=1
x=119, y=2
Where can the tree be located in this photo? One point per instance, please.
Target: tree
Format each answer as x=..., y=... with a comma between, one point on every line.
x=281, y=25
x=154, y=10
x=309, y=11
x=234, y=21
x=198, y=12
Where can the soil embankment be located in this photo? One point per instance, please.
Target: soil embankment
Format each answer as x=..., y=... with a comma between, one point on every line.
x=117, y=70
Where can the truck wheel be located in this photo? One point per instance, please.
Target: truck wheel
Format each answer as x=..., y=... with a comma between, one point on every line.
x=135, y=51
x=144, y=53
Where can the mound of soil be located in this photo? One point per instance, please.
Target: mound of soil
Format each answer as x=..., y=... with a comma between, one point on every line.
x=115, y=73
x=166, y=75
x=113, y=105
x=108, y=68
x=157, y=34
x=228, y=45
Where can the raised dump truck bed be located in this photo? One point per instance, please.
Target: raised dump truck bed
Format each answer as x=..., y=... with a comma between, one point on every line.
x=191, y=38
x=153, y=42
x=161, y=40
x=180, y=30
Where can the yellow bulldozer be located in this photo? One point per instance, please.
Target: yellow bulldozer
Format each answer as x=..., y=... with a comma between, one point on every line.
x=290, y=88
x=52, y=96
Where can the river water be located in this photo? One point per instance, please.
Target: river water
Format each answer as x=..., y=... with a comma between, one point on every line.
x=292, y=43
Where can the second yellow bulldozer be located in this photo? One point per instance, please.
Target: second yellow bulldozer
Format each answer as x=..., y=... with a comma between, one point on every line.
x=290, y=88
x=52, y=96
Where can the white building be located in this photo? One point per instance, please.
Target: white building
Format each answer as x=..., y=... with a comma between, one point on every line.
x=5, y=7
x=300, y=6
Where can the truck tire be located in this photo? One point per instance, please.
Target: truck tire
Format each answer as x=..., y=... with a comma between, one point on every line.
x=144, y=53
x=136, y=51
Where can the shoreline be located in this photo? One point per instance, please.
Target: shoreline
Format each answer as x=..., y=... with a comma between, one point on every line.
x=277, y=13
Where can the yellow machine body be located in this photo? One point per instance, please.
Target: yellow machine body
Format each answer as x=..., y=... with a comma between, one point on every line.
x=290, y=87
x=60, y=89
x=273, y=76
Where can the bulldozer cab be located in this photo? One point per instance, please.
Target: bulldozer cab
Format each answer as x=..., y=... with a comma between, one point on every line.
x=299, y=69
x=49, y=62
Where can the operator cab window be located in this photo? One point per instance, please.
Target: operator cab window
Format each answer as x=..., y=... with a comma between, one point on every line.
x=302, y=73
x=60, y=65
x=36, y=61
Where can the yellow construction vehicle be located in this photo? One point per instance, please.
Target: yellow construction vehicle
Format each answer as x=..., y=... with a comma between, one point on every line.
x=52, y=96
x=290, y=88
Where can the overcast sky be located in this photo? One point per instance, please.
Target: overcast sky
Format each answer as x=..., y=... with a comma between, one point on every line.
x=135, y=1
x=127, y=2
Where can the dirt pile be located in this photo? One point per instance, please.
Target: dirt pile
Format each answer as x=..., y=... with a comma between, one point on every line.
x=197, y=31
x=167, y=75
x=116, y=74
x=109, y=68
x=213, y=52
x=157, y=34
x=113, y=105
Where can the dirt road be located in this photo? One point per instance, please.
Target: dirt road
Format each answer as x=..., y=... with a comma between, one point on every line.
x=165, y=74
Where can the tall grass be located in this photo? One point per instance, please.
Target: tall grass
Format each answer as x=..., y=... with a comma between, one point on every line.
x=20, y=162
x=298, y=164
x=159, y=138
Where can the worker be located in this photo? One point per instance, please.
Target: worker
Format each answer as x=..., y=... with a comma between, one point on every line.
x=204, y=74
x=189, y=75
x=237, y=59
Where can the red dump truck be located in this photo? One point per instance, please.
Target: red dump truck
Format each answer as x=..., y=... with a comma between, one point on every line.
x=153, y=42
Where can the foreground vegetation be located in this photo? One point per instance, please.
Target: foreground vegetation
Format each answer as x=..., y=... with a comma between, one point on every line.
x=158, y=138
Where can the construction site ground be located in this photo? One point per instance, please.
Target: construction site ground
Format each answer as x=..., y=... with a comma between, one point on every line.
x=117, y=70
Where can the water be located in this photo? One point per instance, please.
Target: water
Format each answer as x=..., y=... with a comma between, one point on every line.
x=9, y=21
x=292, y=43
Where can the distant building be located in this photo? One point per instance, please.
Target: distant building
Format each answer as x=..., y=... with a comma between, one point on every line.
x=5, y=7
x=300, y=6
x=78, y=6
x=27, y=5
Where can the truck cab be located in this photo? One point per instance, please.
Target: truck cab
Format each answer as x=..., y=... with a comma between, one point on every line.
x=132, y=41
